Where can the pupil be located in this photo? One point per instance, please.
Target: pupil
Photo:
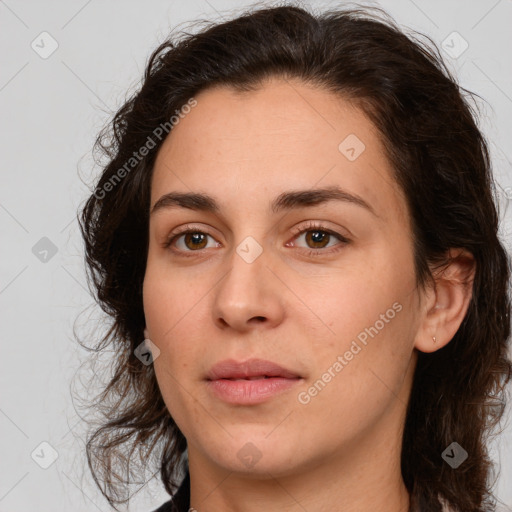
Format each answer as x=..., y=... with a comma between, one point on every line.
x=317, y=237
x=195, y=238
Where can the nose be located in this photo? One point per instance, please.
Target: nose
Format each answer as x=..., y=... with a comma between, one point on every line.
x=249, y=295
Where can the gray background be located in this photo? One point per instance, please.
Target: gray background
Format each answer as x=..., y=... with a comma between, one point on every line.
x=51, y=111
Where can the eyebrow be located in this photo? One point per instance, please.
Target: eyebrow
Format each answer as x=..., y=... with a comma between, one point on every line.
x=285, y=201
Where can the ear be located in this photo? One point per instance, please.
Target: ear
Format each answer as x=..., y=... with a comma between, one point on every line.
x=146, y=333
x=446, y=304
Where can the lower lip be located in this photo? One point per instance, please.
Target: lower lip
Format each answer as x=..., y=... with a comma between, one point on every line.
x=247, y=392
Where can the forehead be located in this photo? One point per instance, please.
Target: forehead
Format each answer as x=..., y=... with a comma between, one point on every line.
x=283, y=135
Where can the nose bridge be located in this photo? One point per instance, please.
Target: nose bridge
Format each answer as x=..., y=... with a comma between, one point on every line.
x=246, y=291
x=247, y=273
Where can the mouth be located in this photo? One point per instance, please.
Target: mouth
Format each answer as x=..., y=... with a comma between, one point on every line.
x=259, y=377
x=252, y=369
x=251, y=382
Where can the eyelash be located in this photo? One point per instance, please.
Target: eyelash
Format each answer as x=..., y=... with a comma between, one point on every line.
x=311, y=226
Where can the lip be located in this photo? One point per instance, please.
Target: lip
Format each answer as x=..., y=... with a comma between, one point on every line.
x=250, y=382
x=231, y=369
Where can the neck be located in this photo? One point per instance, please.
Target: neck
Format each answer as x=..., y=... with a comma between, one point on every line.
x=366, y=477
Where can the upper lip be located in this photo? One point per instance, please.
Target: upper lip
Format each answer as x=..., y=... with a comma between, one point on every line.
x=231, y=369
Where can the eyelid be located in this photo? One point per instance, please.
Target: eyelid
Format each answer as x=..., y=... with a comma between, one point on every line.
x=183, y=230
x=319, y=226
x=297, y=231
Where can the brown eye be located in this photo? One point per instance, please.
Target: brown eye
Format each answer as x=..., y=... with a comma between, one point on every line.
x=191, y=240
x=316, y=238
x=195, y=240
x=319, y=239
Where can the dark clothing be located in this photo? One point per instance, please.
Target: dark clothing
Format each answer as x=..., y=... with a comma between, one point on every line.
x=181, y=500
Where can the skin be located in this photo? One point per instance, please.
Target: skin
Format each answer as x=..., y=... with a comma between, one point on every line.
x=341, y=450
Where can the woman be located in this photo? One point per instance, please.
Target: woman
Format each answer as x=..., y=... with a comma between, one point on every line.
x=297, y=217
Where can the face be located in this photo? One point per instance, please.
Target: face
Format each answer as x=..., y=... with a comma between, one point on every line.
x=321, y=284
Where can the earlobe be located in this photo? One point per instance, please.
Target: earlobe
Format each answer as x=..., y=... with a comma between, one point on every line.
x=146, y=333
x=452, y=295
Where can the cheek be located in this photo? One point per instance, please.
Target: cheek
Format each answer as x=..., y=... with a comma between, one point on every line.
x=175, y=320
x=169, y=297
x=355, y=302
x=163, y=311
x=358, y=383
x=176, y=359
x=369, y=342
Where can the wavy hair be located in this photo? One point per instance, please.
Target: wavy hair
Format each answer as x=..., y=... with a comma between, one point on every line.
x=441, y=162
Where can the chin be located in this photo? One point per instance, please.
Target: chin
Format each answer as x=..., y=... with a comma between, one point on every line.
x=258, y=455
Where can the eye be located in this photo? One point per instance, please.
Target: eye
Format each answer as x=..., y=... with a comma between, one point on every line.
x=189, y=239
x=317, y=237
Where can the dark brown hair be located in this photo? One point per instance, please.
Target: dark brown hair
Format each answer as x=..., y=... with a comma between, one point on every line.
x=441, y=162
